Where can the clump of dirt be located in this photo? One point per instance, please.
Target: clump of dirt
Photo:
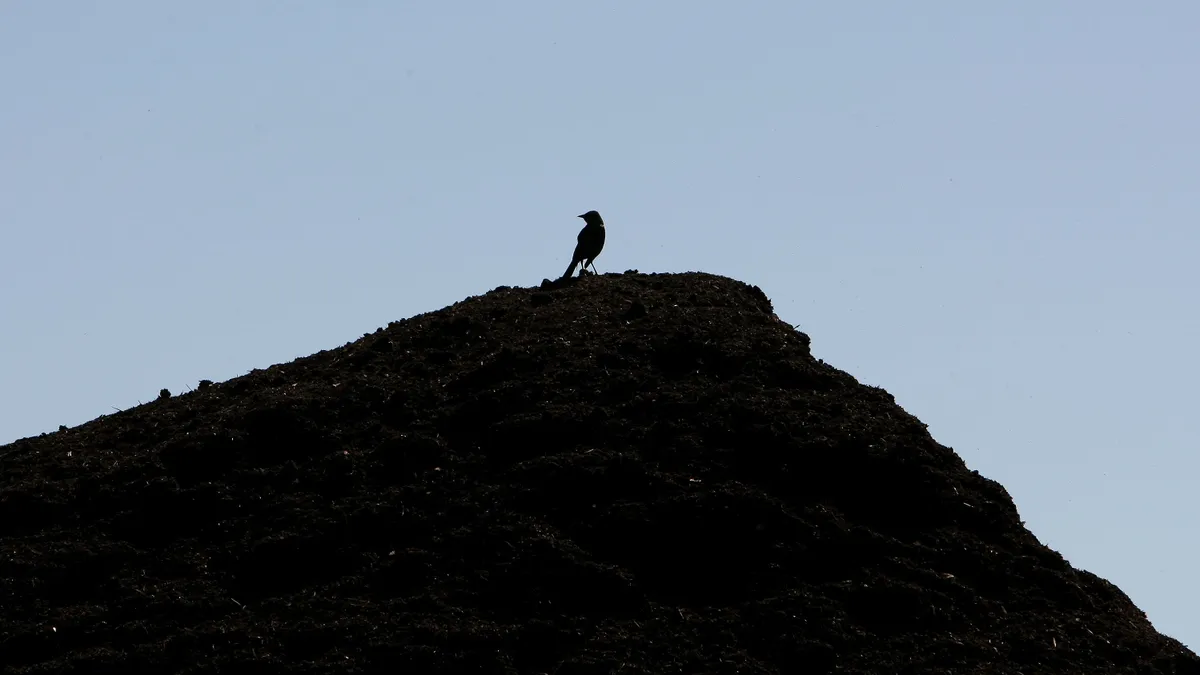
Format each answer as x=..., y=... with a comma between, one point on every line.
x=629, y=473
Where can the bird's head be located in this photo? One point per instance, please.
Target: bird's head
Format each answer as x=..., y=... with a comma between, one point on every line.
x=592, y=218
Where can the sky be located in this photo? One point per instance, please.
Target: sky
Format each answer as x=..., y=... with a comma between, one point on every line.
x=988, y=209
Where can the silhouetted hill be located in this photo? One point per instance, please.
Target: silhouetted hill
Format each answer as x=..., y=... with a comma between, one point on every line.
x=622, y=474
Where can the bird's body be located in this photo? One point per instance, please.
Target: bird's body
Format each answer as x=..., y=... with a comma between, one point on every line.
x=589, y=243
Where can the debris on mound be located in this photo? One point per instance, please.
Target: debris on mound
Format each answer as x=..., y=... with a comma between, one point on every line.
x=629, y=473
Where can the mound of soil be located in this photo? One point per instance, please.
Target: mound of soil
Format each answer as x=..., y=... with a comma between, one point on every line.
x=628, y=473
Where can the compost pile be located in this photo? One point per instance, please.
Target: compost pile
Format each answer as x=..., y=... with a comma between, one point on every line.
x=627, y=473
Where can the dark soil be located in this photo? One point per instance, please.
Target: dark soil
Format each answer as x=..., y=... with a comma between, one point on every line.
x=622, y=474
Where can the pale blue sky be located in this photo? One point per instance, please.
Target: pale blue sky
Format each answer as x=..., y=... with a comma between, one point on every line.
x=988, y=209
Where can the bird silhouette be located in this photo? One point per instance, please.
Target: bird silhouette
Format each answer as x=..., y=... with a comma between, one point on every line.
x=590, y=243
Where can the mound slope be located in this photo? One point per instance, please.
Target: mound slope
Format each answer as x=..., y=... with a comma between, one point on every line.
x=619, y=474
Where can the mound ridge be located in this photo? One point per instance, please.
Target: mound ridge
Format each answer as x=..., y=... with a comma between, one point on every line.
x=628, y=473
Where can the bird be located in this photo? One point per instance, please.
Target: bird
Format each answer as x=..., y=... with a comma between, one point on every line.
x=590, y=243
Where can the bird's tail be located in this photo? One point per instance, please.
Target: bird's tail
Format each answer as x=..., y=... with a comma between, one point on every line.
x=570, y=268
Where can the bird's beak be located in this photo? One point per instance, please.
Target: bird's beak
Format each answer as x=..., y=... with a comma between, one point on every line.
x=581, y=215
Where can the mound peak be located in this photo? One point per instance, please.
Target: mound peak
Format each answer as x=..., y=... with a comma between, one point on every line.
x=633, y=473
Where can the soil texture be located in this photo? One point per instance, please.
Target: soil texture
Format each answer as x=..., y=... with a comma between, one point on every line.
x=618, y=474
